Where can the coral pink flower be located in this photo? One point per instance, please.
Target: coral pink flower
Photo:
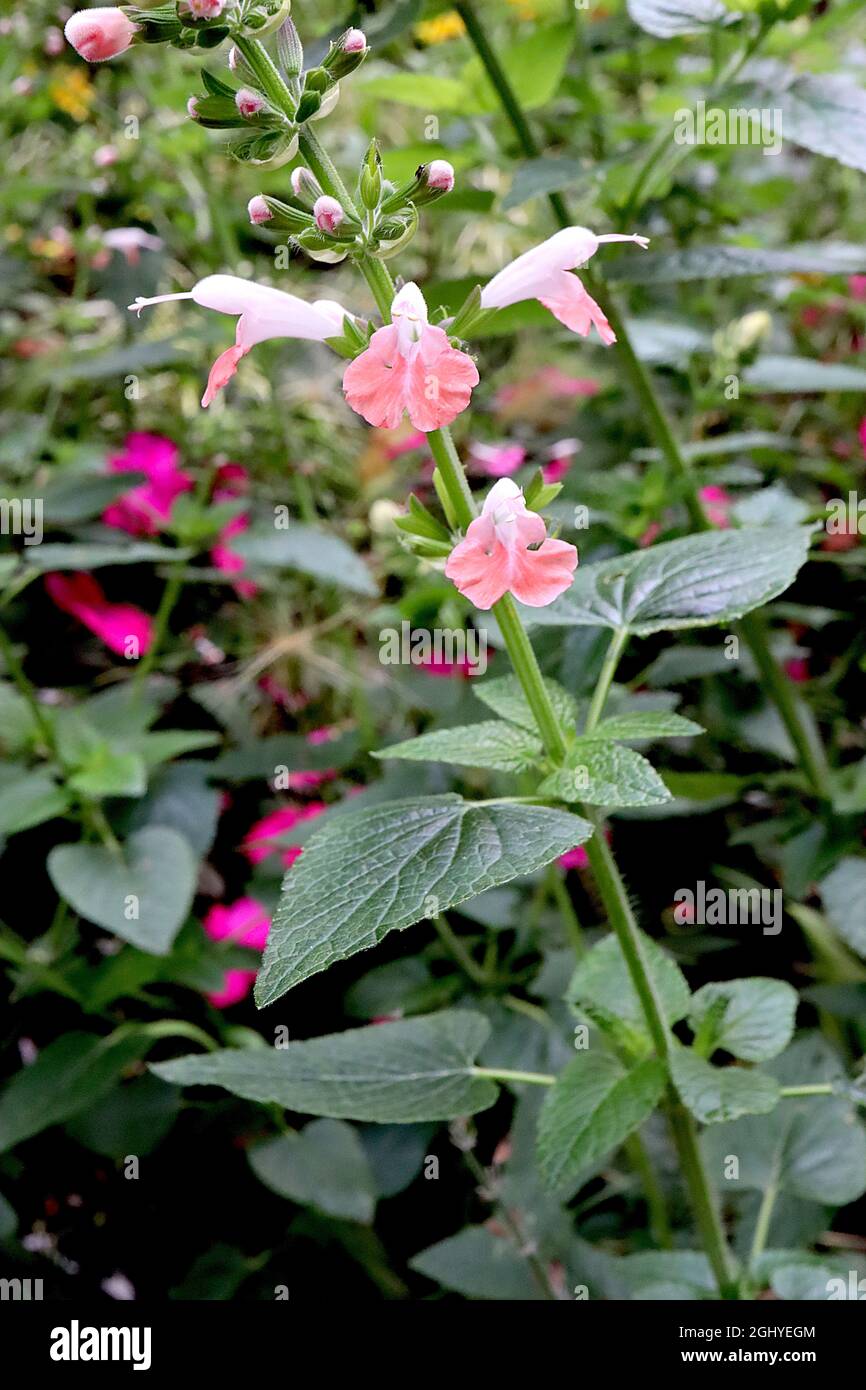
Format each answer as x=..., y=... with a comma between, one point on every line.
x=99, y=34
x=495, y=559
x=544, y=273
x=717, y=505
x=244, y=922
x=410, y=367
x=497, y=460
x=259, y=840
x=263, y=313
x=122, y=627
x=144, y=510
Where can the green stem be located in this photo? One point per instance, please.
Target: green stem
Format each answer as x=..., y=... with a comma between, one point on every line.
x=561, y=896
x=659, y=1221
x=618, y=639
x=451, y=471
x=528, y=672
x=812, y=757
x=819, y=1088
x=170, y=596
x=16, y=671
x=762, y=1224
x=455, y=947
x=799, y=725
x=535, y=1078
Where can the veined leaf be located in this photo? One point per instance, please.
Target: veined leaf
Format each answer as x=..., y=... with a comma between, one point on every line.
x=823, y=112
x=505, y=697
x=715, y=1094
x=490, y=743
x=710, y=578
x=753, y=1019
x=383, y=867
x=606, y=774
x=601, y=981
x=594, y=1105
x=645, y=724
x=394, y=1073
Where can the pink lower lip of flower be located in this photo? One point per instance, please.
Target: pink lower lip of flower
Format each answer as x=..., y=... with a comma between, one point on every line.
x=328, y=213
x=248, y=102
x=100, y=34
x=123, y=628
x=236, y=986
x=146, y=509
x=410, y=368
x=494, y=557
x=258, y=210
x=245, y=922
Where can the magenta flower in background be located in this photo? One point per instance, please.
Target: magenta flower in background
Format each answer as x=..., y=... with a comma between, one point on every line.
x=232, y=481
x=494, y=557
x=717, y=505
x=245, y=923
x=410, y=368
x=497, y=460
x=123, y=628
x=562, y=455
x=145, y=509
x=260, y=840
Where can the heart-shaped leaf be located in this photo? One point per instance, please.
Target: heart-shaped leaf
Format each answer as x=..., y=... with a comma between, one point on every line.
x=142, y=894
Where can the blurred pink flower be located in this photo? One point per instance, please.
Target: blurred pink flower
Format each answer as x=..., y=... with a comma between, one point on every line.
x=259, y=840
x=410, y=368
x=494, y=557
x=561, y=456
x=857, y=286
x=245, y=922
x=130, y=242
x=236, y=986
x=145, y=509
x=578, y=858
x=122, y=627
x=717, y=505
x=497, y=460
x=436, y=667
x=797, y=669
x=232, y=480
x=549, y=382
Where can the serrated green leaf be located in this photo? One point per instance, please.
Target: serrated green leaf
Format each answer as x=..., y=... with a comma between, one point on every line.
x=602, y=981
x=324, y=1166
x=605, y=774
x=700, y=580
x=716, y=1094
x=394, y=1073
x=491, y=743
x=505, y=697
x=380, y=868
x=648, y=724
x=594, y=1105
x=753, y=1019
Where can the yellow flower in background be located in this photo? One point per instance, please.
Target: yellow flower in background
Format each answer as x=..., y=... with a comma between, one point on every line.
x=71, y=91
x=439, y=30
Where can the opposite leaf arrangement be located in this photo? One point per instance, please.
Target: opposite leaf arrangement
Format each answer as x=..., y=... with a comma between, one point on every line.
x=720, y=1058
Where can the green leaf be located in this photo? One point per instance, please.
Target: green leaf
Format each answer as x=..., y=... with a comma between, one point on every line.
x=823, y=112
x=605, y=774
x=505, y=697
x=490, y=743
x=312, y=551
x=727, y=262
x=152, y=880
x=710, y=578
x=369, y=871
x=535, y=178
x=812, y=1147
x=602, y=982
x=324, y=1166
x=594, y=1105
x=73, y=497
x=801, y=375
x=392, y=1073
x=843, y=892
x=29, y=800
x=423, y=90
x=16, y=720
x=131, y=1119
x=479, y=1264
x=85, y=556
x=753, y=1019
x=534, y=67
x=645, y=724
x=107, y=772
x=667, y=18
x=715, y=1094
x=68, y=1075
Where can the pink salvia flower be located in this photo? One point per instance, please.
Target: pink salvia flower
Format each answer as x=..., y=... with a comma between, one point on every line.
x=544, y=273
x=145, y=510
x=258, y=210
x=99, y=34
x=410, y=367
x=248, y=102
x=717, y=505
x=494, y=558
x=328, y=213
x=497, y=460
x=121, y=626
x=263, y=313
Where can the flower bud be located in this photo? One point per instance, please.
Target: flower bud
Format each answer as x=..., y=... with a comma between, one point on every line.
x=203, y=9
x=354, y=41
x=305, y=186
x=440, y=175
x=328, y=214
x=99, y=34
x=346, y=54
x=249, y=103
x=258, y=210
x=192, y=108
